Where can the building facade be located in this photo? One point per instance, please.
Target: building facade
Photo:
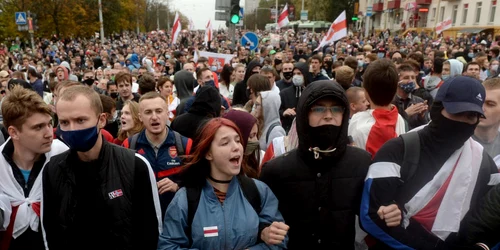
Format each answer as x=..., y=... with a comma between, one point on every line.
x=468, y=16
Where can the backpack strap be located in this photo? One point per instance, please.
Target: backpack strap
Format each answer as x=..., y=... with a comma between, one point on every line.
x=178, y=143
x=271, y=129
x=411, y=156
x=251, y=192
x=133, y=141
x=193, y=198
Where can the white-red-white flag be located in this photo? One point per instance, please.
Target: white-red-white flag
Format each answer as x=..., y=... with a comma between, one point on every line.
x=337, y=31
x=209, y=33
x=283, y=18
x=444, y=25
x=176, y=28
x=191, y=24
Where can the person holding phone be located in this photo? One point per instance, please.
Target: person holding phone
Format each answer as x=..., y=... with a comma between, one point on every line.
x=411, y=107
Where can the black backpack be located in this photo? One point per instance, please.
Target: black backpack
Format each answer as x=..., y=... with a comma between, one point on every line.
x=410, y=161
x=248, y=187
x=178, y=143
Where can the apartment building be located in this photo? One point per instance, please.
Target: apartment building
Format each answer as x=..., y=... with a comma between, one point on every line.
x=468, y=16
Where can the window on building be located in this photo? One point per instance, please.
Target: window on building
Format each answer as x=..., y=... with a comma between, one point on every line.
x=492, y=11
x=441, y=14
x=433, y=13
x=478, y=11
x=464, y=16
x=454, y=14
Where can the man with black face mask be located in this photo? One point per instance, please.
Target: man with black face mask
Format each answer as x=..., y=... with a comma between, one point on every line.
x=287, y=69
x=434, y=174
x=319, y=185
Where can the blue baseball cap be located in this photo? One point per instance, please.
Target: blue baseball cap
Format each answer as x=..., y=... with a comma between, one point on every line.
x=462, y=94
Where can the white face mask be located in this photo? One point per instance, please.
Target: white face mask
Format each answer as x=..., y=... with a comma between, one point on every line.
x=494, y=68
x=298, y=80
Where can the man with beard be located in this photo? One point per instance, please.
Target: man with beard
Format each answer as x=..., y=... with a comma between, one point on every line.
x=434, y=174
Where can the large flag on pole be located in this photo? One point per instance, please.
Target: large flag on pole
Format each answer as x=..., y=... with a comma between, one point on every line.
x=209, y=33
x=337, y=31
x=283, y=18
x=191, y=24
x=176, y=28
x=444, y=25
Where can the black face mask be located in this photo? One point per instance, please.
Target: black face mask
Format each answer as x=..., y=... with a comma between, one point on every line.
x=277, y=61
x=301, y=52
x=288, y=75
x=328, y=64
x=167, y=69
x=448, y=133
x=89, y=82
x=113, y=95
x=324, y=137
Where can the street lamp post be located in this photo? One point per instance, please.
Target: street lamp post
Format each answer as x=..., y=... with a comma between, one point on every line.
x=100, y=21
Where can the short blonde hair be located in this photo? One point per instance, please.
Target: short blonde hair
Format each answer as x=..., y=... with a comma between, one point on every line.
x=20, y=104
x=492, y=83
x=72, y=92
x=344, y=75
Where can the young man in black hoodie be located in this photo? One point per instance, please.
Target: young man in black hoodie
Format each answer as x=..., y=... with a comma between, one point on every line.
x=319, y=185
x=290, y=96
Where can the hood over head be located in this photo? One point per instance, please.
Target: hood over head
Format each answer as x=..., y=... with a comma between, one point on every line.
x=183, y=81
x=251, y=65
x=271, y=103
x=456, y=67
x=314, y=92
x=66, y=72
x=245, y=122
x=304, y=69
x=207, y=102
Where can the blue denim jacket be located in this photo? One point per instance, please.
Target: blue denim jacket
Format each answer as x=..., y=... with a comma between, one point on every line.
x=231, y=225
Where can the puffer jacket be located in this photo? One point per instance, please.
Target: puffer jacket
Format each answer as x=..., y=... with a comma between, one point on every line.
x=319, y=198
x=482, y=223
x=233, y=224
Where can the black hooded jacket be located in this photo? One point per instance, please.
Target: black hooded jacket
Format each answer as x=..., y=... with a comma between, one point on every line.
x=319, y=198
x=240, y=90
x=290, y=96
x=206, y=105
x=183, y=81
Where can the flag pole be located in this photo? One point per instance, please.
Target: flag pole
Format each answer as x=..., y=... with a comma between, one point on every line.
x=276, y=16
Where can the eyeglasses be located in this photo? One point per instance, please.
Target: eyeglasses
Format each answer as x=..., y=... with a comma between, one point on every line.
x=323, y=109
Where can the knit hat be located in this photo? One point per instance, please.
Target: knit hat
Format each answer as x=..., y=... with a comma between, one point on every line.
x=245, y=122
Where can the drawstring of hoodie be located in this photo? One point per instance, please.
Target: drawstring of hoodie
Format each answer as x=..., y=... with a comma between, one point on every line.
x=298, y=92
x=316, y=151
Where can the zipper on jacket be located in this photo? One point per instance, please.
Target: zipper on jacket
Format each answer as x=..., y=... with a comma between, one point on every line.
x=225, y=228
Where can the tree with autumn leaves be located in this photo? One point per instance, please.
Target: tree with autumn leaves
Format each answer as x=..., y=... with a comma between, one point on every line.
x=80, y=18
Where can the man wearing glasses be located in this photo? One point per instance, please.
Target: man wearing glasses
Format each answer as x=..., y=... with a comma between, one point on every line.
x=319, y=185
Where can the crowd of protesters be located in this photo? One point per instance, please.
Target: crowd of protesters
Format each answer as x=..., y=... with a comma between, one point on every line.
x=138, y=142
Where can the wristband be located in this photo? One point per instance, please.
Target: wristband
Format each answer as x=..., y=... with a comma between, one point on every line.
x=483, y=246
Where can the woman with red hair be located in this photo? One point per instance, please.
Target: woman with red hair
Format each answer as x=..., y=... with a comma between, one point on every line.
x=214, y=208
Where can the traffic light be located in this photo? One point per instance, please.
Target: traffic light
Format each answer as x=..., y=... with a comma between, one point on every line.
x=234, y=14
x=354, y=18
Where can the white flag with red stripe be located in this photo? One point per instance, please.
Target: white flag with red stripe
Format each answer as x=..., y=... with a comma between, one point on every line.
x=210, y=231
x=191, y=24
x=283, y=18
x=176, y=28
x=337, y=31
x=209, y=33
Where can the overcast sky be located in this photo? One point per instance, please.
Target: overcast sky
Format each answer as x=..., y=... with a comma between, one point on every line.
x=200, y=11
